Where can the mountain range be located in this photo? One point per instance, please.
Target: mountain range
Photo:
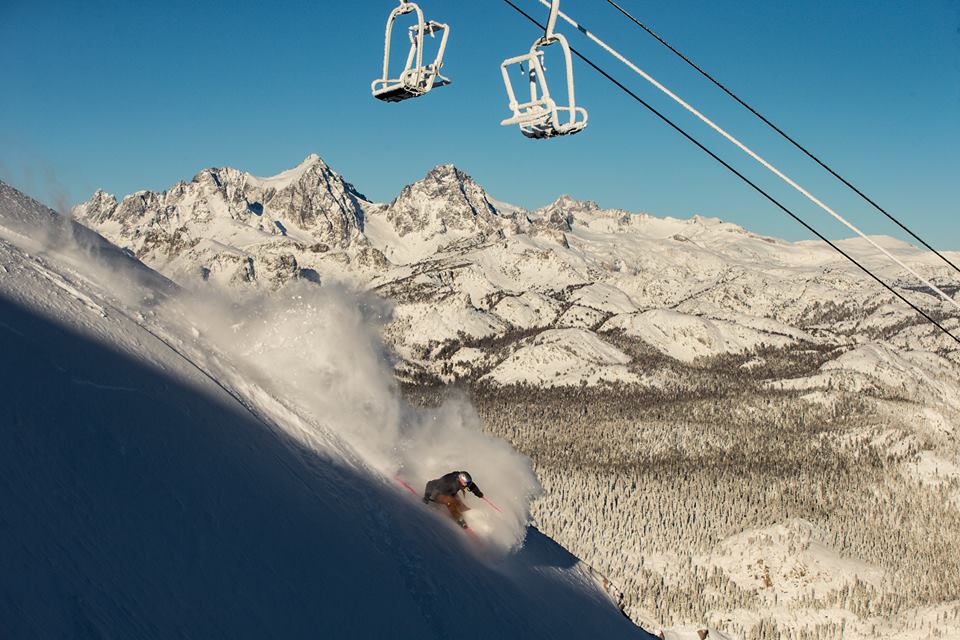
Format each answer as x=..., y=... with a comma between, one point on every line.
x=162, y=477
x=466, y=271
x=569, y=300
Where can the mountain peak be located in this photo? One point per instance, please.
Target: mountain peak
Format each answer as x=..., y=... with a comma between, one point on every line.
x=567, y=203
x=445, y=201
x=102, y=196
x=447, y=181
x=309, y=202
x=312, y=164
x=101, y=200
x=216, y=176
x=447, y=171
x=311, y=159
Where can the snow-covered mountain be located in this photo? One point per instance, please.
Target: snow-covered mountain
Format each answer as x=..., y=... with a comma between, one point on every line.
x=175, y=466
x=230, y=226
x=462, y=267
x=573, y=297
x=445, y=207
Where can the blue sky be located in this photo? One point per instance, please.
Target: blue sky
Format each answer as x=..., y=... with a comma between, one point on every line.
x=129, y=96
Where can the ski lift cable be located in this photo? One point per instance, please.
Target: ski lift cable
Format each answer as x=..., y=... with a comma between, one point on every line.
x=753, y=154
x=782, y=133
x=742, y=177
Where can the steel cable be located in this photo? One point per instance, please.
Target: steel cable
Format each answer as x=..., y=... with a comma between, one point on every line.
x=745, y=179
x=782, y=133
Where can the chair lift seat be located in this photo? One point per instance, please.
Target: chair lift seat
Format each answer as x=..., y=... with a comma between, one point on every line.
x=538, y=118
x=547, y=123
x=406, y=87
x=417, y=78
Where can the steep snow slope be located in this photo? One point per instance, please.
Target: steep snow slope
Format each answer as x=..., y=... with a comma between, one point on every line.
x=152, y=488
x=26, y=221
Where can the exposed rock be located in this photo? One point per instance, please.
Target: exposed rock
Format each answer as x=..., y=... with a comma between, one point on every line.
x=444, y=201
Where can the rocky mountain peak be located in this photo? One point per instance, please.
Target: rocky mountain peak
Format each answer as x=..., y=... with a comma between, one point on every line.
x=314, y=197
x=310, y=160
x=445, y=200
x=559, y=215
x=566, y=211
x=446, y=172
x=311, y=168
x=223, y=212
x=565, y=204
x=447, y=180
x=102, y=200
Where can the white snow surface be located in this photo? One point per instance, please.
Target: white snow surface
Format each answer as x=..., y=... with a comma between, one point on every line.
x=529, y=310
x=917, y=373
x=564, y=357
x=789, y=560
x=921, y=376
x=222, y=467
x=686, y=338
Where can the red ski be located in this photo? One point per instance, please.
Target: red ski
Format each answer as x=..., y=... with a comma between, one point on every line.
x=470, y=532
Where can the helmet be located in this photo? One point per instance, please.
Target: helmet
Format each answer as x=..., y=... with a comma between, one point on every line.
x=464, y=479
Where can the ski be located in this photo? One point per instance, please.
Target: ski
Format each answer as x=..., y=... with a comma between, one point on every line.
x=470, y=532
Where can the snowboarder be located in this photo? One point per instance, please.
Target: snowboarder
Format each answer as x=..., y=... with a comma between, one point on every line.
x=446, y=489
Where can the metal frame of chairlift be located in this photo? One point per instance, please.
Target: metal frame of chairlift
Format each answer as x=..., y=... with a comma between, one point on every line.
x=415, y=79
x=540, y=116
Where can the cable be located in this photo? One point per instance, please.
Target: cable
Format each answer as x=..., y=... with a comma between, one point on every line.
x=788, y=138
x=750, y=152
x=730, y=168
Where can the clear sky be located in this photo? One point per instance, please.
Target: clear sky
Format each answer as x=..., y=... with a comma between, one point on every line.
x=137, y=95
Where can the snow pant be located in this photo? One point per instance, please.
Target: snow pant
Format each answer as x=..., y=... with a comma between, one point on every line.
x=454, y=504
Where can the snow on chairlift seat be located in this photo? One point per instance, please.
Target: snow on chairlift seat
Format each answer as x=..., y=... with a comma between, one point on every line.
x=417, y=78
x=540, y=117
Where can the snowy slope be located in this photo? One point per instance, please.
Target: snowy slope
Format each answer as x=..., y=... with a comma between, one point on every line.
x=789, y=560
x=923, y=376
x=154, y=486
x=564, y=357
x=469, y=289
x=686, y=338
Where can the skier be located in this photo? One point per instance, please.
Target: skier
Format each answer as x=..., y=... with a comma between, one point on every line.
x=445, y=490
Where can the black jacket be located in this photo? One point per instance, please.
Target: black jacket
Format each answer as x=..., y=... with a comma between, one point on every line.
x=448, y=485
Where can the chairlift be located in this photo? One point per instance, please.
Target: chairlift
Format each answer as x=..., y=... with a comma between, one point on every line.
x=540, y=117
x=416, y=79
